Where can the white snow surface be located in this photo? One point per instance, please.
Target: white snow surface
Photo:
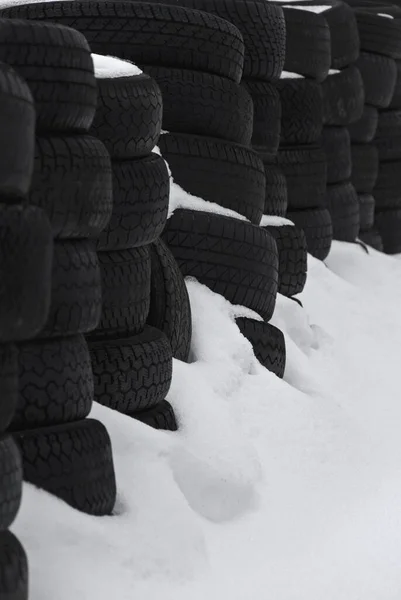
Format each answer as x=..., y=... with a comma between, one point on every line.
x=309, y=8
x=110, y=67
x=385, y=15
x=270, y=220
x=334, y=72
x=272, y=489
x=289, y=75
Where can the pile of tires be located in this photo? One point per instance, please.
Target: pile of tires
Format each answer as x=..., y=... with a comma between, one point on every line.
x=380, y=65
x=62, y=451
x=25, y=261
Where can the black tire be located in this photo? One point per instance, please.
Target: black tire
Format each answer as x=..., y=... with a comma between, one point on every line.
x=26, y=249
x=132, y=374
x=233, y=258
x=379, y=76
x=8, y=383
x=149, y=34
x=266, y=116
x=55, y=383
x=372, y=238
x=388, y=224
x=230, y=175
x=366, y=211
x=128, y=115
x=205, y=104
x=170, y=310
x=365, y=166
x=264, y=43
x=305, y=168
x=56, y=63
x=379, y=34
x=302, y=111
x=125, y=278
x=17, y=124
x=343, y=204
x=292, y=258
x=76, y=294
x=276, y=200
x=160, y=416
x=13, y=568
x=268, y=343
x=308, y=50
x=387, y=190
x=343, y=97
x=73, y=462
x=388, y=135
x=72, y=183
x=337, y=146
x=139, y=210
x=318, y=229
x=396, y=99
x=363, y=130
x=10, y=481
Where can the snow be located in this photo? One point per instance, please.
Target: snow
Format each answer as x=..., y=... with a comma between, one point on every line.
x=309, y=7
x=334, y=72
x=385, y=15
x=272, y=489
x=272, y=221
x=289, y=75
x=107, y=67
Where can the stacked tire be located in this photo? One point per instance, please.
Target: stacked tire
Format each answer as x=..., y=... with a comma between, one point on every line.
x=380, y=33
x=25, y=262
x=131, y=359
x=62, y=451
x=300, y=154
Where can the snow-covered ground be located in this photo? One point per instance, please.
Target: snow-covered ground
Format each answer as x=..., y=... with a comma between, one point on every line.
x=281, y=490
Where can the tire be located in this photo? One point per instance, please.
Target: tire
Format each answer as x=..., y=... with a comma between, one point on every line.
x=128, y=115
x=292, y=258
x=372, y=238
x=305, y=168
x=365, y=166
x=268, y=343
x=343, y=204
x=396, y=99
x=160, y=416
x=10, y=481
x=140, y=210
x=25, y=271
x=76, y=294
x=336, y=143
x=266, y=116
x=264, y=44
x=73, y=462
x=17, y=124
x=378, y=34
x=388, y=135
x=363, y=130
x=13, y=568
x=379, y=76
x=387, y=190
x=189, y=39
x=366, y=211
x=204, y=104
x=72, y=183
x=233, y=258
x=230, y=175
x=55, y=383
x=56, y=63
x=343, y=97
x=318, y=229
x=170, y=310
x=125, y=276
x=302, y=111
x=307, y=43
x=132, y=374
x=8, y=383
x=388, y=224
x=276, y=199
